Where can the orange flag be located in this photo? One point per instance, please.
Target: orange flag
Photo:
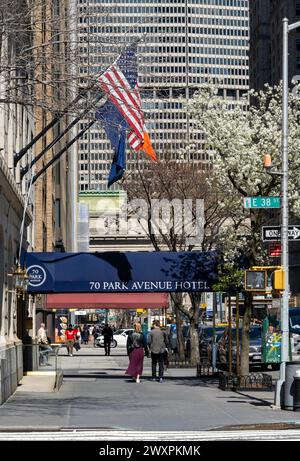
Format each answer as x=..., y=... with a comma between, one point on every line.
x=147, y=147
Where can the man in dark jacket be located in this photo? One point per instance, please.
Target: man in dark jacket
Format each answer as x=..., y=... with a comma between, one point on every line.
x=108, y=337
x=158, y=343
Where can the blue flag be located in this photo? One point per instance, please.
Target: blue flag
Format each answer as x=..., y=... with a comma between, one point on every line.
x=118, y=165
x=115, y=128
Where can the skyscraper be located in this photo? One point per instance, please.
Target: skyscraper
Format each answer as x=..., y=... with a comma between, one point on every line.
x=266, y=41
x=183, y=44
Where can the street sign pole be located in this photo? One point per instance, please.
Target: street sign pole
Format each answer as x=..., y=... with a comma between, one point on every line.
x=285, y=213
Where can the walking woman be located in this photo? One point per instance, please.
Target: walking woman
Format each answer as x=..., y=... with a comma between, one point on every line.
x=136, y=349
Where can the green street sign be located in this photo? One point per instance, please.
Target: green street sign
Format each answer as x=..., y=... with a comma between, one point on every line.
x=262, y=202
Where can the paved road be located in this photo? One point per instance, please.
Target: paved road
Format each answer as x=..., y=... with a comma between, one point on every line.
x=96, y=394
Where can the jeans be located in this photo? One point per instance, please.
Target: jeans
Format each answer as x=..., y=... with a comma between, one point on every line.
x=44, y=351
x=107, y=343
x=157, y=358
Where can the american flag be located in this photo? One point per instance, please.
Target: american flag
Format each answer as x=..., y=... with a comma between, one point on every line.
x=119, y=81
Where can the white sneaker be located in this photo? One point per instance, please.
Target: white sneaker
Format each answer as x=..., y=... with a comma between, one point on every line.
x=138, y=380
x=71, y=355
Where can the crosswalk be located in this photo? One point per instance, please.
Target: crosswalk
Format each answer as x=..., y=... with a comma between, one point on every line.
x=122, y=435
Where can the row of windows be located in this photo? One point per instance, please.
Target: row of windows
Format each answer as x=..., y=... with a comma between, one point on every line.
x=219, y=12
x=218, y=61
x=99, y=186
x=96, y=53
x=108, y=45
x=219, y=70
x=142, y=9
x=223, y=3
x=165, y=30
x=170, y=69
x=218, y=22
x=215, y=21
x=181, y=59
x=150, y=80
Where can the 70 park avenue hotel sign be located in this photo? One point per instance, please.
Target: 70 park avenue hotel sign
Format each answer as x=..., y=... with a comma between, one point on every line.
x=149, y=286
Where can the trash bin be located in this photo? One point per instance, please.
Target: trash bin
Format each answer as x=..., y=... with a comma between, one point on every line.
x=296, y=390
x=290, y=372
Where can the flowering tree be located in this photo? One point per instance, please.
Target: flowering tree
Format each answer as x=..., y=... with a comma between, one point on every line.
x=237, y=136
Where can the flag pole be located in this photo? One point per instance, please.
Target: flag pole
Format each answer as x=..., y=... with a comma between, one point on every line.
x=19, y=155
x=62, y=151
x=60, y=136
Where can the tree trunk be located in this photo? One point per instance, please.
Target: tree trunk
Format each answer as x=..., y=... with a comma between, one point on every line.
x=177, y=299
x=194, y=336
x=244, y=366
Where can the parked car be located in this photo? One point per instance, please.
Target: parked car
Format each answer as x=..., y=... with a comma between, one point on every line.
x=119, y=338
x=255, y=348
x=206, y=333
x=206, y=340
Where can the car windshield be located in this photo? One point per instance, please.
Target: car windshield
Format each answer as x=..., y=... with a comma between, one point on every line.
x=207, y=333
x=118, y=332
x=255, y=333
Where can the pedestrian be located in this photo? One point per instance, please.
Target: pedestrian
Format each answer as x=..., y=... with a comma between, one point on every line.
x=44, y=345
x=70, y=339
x=85, y=334
x=108, y=337
x=158, y=342
x=166, y=353
x=136, y=350
x=96, y=333
x=77, y=338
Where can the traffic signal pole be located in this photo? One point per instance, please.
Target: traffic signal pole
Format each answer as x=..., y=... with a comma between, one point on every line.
x=285, y=213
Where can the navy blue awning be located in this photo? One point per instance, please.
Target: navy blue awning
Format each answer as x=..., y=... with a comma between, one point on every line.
x=121, y=272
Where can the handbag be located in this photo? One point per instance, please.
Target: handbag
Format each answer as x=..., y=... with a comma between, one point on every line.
x=77, y=346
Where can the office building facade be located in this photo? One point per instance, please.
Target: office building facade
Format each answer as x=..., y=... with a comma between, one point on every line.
x=183, y=44
x=266, y=41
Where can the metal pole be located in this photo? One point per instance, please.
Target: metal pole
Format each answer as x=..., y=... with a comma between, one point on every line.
x=285, y=216
x=229, y=337
x=237, y=326
x=62, y=151
x=213, y=349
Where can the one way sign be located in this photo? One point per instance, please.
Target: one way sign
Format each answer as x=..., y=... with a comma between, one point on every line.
x=273, y=233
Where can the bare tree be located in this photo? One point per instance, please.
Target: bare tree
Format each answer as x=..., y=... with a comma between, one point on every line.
x=171, y=180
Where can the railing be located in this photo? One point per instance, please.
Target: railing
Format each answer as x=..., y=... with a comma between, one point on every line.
x=176, y=362
x=38, y=359
x=205, y=368
x=253, y=381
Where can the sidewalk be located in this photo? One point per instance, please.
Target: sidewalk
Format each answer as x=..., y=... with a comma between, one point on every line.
x=97, y=394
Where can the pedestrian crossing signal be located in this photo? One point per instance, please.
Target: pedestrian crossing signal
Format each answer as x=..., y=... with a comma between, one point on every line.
x=255, y=280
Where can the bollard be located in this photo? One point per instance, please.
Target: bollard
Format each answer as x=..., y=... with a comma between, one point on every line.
x=296, y=391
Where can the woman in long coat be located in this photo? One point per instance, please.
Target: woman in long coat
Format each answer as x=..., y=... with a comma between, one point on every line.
x=136, y=350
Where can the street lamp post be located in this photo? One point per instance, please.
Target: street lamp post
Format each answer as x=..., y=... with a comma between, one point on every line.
x=285, y=211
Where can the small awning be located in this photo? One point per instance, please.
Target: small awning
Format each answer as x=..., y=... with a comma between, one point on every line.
x=107, y=301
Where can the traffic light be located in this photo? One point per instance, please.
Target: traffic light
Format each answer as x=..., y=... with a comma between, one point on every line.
x=264, y=279
x=255, y=280
x=278, y=280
